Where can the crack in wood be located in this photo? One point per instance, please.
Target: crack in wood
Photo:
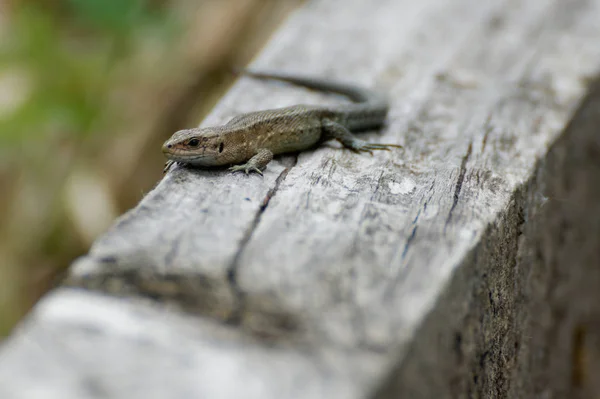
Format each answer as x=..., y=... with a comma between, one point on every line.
x=488, y=128
x=409, y=240
x=235, y=317
x=459, y=182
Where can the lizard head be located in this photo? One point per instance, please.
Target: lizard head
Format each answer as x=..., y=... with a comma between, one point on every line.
x=199, y=146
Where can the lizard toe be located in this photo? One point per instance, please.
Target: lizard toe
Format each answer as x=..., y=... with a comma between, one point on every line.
x=257, y=170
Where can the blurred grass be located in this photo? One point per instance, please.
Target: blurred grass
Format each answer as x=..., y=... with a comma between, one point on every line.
x=66, y=65
x=56, y=59
x=88, y=90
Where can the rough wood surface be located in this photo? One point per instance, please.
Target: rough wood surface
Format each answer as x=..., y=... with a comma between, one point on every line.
x=338, y=274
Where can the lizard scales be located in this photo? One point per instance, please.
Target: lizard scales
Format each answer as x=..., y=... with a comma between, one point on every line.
x=255, y=137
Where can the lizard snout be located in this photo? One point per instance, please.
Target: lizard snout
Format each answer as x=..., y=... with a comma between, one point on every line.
x=166, y=148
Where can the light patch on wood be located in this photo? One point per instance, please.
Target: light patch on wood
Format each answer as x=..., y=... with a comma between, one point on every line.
x=407, y=185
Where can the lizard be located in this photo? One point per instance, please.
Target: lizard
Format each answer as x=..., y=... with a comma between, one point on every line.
x=249, y=141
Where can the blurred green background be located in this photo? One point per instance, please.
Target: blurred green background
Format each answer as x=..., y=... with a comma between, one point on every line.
x=89, y=89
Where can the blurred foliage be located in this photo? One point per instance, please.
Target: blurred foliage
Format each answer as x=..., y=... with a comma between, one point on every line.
x=62, y=52
x=57, y=69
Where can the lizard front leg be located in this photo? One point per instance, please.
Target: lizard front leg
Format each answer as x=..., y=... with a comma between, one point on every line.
x=168, y=165
x=334, y=130
x=255, y=164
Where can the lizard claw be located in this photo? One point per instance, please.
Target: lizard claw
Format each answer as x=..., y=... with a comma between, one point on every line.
x=246, y=169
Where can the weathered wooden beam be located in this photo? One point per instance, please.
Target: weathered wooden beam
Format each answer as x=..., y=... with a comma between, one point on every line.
x=404, y=274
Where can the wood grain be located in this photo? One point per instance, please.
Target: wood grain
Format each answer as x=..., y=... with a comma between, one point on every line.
x=337, y=274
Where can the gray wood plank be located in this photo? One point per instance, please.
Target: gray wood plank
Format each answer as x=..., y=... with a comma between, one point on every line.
x=336, y=270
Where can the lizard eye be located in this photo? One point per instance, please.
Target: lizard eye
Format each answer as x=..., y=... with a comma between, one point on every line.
x=221, y=147
x=193, y=142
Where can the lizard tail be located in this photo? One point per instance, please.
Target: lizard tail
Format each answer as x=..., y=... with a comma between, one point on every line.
x=356, y=94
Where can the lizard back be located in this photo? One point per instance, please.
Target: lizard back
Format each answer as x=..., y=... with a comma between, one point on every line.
x=280, y=130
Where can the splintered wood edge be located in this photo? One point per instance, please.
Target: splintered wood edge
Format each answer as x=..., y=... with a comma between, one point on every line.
x=325, y=270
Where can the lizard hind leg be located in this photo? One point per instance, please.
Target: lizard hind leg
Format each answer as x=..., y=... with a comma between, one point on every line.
x=339, y=132
x=255, y=164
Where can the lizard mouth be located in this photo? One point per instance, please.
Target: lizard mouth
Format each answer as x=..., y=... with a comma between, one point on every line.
x=178, y=155
x=182, y=157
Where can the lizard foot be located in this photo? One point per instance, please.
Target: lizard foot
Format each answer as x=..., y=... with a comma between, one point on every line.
x=255, y=164
x=363, y=146
x=246, y=169
x=168, y=165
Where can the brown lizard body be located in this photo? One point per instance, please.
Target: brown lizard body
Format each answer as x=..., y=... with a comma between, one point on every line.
x=256, y=136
